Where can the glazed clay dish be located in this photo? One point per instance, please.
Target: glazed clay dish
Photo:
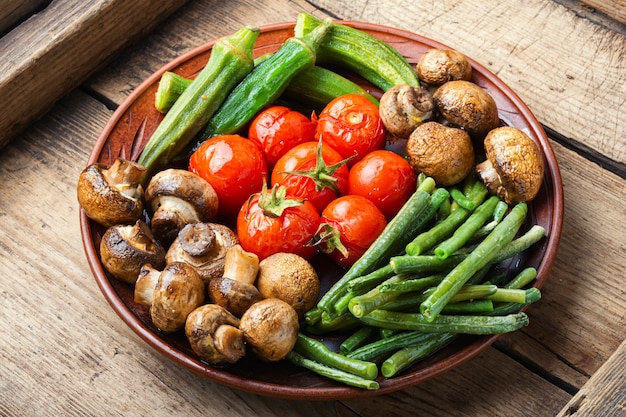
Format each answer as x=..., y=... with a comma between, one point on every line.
x=129, y=129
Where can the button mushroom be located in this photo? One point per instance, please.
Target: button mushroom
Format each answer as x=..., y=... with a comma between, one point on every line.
x=444, y=153
x=291, y=278
x=438, y=66
x=214, y=335
x=179, y=290
x=514, y=167
x=235, y=290
x=404, y=107
x=145, y=285
x=271, y=328
x=111, y=195
x=203, y=246
x=178, y=197
x=124, y=249
x=465, y=105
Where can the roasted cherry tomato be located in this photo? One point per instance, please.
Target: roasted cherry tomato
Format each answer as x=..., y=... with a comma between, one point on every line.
x=234, y=166
x=270, y=222
x=348, y=226
x=277, y=129
x=385, y=178
x=313, y=171
x=352, y=125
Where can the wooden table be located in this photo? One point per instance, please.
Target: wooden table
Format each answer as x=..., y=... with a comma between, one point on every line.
x=65, y=352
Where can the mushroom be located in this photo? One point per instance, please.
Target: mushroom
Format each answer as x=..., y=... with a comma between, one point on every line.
x=444, y=153
x=438, y=66
x=271, y=328
x=465, y=105
x=178, y=197
x=514, y=167
x=124, y=249
x=404, y=107
x=235, y=290
x=203, y=246
x=214, y=335
x=111, y=195
x=145, y=285
x=290, y=278
x=178, y=291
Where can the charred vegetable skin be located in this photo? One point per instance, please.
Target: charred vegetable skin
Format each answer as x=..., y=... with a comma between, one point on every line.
x=230, y=61
x=375, y=60
x=266, y=82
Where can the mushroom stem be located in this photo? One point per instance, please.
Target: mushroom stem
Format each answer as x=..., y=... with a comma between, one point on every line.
x=125, y=174
x=241, y=265
x=228, y=340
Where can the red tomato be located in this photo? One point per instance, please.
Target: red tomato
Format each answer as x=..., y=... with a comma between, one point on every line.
x=348, y=226
x=385, y=178
x=352, y=125
x=234, y=166
x=277, y=129
x=309, y=175
x=271, y=222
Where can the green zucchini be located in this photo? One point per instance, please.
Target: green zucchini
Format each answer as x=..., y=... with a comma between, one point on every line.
x=266, y=82
x=351, y=48
x=314, y=87
x=230, y=61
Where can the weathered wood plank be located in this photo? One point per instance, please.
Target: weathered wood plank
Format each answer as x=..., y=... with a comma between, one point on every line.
x=12, y=13
x=605, y=393
x=615, y=9
x=55, y=51
x=559, y=73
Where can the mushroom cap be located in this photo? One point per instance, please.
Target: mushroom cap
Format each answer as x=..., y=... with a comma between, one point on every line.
x=124, y=249
x=514, y=167
x=466, y=105
x=235, y=296
x=271, y=328
x=444, y=153
x=214, y=335
x=291, y=278
x=210, y=263
x=438, y=66
x=179, y=290
x=404, y=107
x=111, y=195
x=178, y=197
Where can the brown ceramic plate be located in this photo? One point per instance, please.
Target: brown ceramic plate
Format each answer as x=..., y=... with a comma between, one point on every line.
x=132, y=124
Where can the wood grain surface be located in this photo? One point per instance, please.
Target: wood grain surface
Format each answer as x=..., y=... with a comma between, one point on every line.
x=65, y=352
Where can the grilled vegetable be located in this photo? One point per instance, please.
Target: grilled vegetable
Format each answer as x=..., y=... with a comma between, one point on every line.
x=230, y=61
x=375, y=60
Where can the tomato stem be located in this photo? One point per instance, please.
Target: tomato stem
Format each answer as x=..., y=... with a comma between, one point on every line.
x=273, y=202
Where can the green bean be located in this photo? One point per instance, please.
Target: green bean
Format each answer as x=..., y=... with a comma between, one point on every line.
x=508, y=295
x=532, y=236
x=357, y=339
x=331, y=323
x=465, y=231
x=478, y=258
x=523, y=278
x=363, y=284
x=469, y=307
x=407, y=264
x=403, y=358
x=384, y=346
x=315, y=350
x=414, y=284
x=391, y=241
x=461, y=199
x=371, y=300
x=532, y=295
x=332, y=373
x=467, y=324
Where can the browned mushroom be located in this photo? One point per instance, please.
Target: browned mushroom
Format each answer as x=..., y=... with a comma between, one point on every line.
x=404, y=107
x=465, y=105
x=291, y=278
x=111, y=195
x=178, y=197
x=203, y=246
x=179, y=290
x=124, y=249
x=235, y=290
x=444, y=153
x=214, y=335
x=271, y=328
x=514, y=167
x=438, y=66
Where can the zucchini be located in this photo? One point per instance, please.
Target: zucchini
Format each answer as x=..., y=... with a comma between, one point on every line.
x=351, y=48
x=314, y=87
x=266, y=82
x=230, y=61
